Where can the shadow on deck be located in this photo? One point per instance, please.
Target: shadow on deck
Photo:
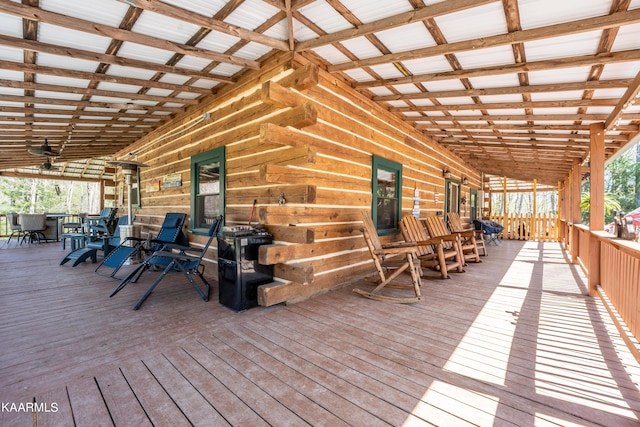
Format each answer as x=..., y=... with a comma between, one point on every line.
x=512, y=341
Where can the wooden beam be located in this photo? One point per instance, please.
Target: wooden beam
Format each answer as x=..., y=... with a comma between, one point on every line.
x=557, y=30
x=52, y=49
x=596, y=180
x=45, y=16
x=210, y=23
x=544, y=65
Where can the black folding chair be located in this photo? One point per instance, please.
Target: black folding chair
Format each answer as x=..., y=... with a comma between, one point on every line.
x=175, y=258
x=170, y=232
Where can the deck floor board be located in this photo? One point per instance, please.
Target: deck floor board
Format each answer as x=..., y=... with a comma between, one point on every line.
x=512, y=341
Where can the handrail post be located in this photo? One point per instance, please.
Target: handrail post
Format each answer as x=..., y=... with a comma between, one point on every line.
x=594, y=264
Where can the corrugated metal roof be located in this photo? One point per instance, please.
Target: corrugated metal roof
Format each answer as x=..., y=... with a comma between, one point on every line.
x=486, y=79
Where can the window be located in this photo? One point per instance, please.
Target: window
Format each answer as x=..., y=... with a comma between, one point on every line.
x=387, y=195
x=452, y=196
x=473, y=204
x=207, y=188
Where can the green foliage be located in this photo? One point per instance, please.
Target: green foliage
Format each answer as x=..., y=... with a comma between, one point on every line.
x=610, y=204
x=34, y=195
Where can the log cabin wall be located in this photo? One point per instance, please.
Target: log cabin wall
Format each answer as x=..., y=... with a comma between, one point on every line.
x=296, y=133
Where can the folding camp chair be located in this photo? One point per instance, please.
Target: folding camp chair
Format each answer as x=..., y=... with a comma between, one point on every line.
x=170, y=232
x=176, y=258
x=491, y=230
x=408, y=259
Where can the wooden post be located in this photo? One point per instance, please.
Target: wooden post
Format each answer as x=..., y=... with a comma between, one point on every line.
x=596, y=189
x=596, y=210
x=574, y=209
x=535, y=211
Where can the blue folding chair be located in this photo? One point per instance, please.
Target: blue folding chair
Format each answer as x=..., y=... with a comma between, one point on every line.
x=175, y=258
x=170, y=232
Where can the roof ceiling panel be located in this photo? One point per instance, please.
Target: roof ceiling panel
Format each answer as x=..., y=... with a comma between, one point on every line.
x=60, y=36
x=503, y=80
x=10, y=25
x=137, y=73
x=559, y=75
x=501, y=98
x=556, y=96
x=407, y=37
x=501, y=55
x=110, y=13
x=560, y=47
x=164, y=27
x=385, y=71
x=622, y=70
x=627, y=38
x=206, y=8
x=374, y=10
x=65, y=62
x=473, y=23
x=144, y=53
x=539, y=13
x=251, y=14
x=11, y=54
x=331, y=54
x=434, y=64
x=440, y=85
x=361, y=48
x=325, y=17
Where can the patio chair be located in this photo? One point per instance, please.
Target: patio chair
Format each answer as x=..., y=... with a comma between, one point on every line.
x=175, y=258
x=170, y=232
x=33, y=226
x=432, y=252
x=437, y=228
x=490, y=229
x=15, y=227
x=408, y=259
x=474, y=236
x=103, y=223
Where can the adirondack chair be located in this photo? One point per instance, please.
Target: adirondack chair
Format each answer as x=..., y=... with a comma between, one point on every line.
x=437, y=228
x=431, y=251
x=474, y=236
x=408, y=259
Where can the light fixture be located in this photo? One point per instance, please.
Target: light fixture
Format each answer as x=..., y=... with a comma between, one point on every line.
x=446, y=173
x=465, y=180
x=129, y=167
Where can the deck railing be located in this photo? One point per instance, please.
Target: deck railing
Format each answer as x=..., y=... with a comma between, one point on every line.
x=541, y=227
x=613, y=268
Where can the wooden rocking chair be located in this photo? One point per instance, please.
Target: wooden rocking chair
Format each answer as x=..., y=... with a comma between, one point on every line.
x=408, y=252
x=474, y=236
x=432, y=251
x=437, y=228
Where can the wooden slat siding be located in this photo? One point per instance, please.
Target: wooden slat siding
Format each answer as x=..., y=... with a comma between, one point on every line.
x=331, y=156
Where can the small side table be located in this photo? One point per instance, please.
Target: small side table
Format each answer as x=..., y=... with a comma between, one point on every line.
x=77, y=240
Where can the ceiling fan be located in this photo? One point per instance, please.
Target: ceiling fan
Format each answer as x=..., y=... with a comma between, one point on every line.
x=48, y=166
x=44, y=150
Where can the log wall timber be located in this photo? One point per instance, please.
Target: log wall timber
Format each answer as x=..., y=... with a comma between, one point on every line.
x=298, y=133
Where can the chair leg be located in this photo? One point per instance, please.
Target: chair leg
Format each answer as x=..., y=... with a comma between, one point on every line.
x=154, y=284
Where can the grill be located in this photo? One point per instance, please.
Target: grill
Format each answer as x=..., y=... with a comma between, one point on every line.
x=239, y=273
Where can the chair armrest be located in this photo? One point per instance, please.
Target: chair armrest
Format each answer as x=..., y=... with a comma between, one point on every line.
x=428, y=242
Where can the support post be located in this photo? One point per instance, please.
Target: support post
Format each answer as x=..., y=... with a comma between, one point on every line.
x=596, y=205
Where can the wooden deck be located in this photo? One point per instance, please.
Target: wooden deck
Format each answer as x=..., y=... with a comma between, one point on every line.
x=512, y=341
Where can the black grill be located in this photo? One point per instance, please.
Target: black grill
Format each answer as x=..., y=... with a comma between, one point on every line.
x=239, y=273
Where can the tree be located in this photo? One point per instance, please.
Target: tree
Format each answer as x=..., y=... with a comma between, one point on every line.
x=610, y=205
